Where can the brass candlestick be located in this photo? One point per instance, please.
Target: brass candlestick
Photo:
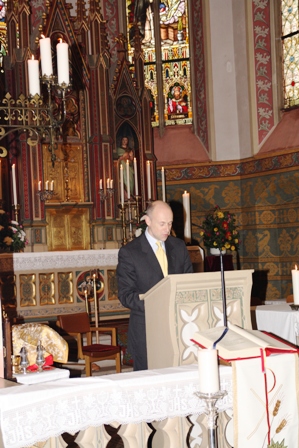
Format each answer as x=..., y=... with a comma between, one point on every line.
x=16, y=209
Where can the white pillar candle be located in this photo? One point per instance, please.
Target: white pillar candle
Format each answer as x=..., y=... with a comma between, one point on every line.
x=33, y=76
x=208, y=371
x=128, y=179
x=108, y=183
x=52, y=185
x=295, y=281
x=136, y=176
x=46, y=56
x=14, y=185
x=39, y=186
x=149, y=186
x=163, y=184
x=122, y=194
x=47, y=185
x=62, y=49
x=101, y=184
x=0, y=179
x=187, y=217
x=111, y=184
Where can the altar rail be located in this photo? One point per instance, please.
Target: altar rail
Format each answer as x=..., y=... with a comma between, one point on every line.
x=158, y=405
x=44, y=284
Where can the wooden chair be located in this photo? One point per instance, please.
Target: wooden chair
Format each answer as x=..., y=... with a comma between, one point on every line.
x=78, y=324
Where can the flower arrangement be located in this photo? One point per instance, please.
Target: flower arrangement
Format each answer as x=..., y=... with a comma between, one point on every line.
x=219, y=230
x=12, y=235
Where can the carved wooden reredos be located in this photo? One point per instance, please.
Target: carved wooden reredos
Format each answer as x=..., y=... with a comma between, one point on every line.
x=106, y=101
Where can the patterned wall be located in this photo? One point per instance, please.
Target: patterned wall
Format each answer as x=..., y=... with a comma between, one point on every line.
x=263, y=193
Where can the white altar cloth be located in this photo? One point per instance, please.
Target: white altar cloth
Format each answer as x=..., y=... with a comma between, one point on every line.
x=278, y=319
x=29, y=414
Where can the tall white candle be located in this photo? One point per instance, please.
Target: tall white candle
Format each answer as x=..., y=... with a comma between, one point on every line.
x=52, y=185
x=47, y=185
x=163, y=184
x=39, y=185
x=208, y=371
x=187, y=217
x=62, y=49
x=108, y=183
x=14, y=185
x=136, y=176
x=111, y=184
x=148, y=175
x=295, y=281
x=101, y=184
x=33, y=76
x=122, y=193
x=128, y=179
x=46, y=56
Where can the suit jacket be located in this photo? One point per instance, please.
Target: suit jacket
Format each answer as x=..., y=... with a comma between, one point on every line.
x=138, y=270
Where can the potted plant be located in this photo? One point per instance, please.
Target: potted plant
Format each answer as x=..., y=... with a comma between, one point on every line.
x=219, y=231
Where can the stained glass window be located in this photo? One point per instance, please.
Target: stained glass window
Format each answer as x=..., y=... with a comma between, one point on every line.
x=290, y=45
x=172, y=36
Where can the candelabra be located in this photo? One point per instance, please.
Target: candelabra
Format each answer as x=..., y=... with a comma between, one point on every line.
x=46, y=195
x=211, y=412
x=104, y=195
x=130, y=215
x=16, y=209
x=32, y=114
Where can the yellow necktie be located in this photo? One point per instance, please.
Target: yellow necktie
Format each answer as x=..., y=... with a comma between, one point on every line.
x=161, y=256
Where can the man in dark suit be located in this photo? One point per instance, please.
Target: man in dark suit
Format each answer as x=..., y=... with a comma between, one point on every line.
x=139, y=270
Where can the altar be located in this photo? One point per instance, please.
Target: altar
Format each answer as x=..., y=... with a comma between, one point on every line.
x=41, y=285
x=160, y=404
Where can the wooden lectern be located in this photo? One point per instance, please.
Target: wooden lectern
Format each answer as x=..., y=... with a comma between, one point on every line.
x=182, y=304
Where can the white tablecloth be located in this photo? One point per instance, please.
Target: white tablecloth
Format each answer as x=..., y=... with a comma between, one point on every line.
x=280, y=320
x=42, y=377
x=38, y=412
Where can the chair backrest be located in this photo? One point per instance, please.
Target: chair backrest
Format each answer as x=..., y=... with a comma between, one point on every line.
x=74, y=323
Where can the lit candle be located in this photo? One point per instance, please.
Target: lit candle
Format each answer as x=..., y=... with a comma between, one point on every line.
x=163, y=184
x=62, y=49
x=111, y=183
x=208, y=371
x=52, y=185
x=33, y=76
x=108, y=183
x=0, y=179
x=101, y=184
x=96, y=306
x=47, y=185
x=187, y=217
x=128, y=179
x=295, y=281
x=14, y=185
x=86, y=301
x=46, y=56
x=40, y=185
x=149, y=187
x=122, y=193
x=136, y=176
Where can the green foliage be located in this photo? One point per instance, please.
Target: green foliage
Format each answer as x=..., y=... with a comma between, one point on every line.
x=12, y=235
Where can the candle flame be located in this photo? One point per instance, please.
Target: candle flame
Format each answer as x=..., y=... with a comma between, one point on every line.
x=60, y=40
x=44, y=37
x=32, y=57
x=296, y=267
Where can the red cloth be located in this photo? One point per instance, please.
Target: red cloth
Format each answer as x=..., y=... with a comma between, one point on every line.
x=48, y=362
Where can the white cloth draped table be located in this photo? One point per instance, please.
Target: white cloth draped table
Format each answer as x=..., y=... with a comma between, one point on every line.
x=280, y=320
x=35, y=413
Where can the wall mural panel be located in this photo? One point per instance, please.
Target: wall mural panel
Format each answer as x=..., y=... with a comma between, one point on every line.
x=264, y=197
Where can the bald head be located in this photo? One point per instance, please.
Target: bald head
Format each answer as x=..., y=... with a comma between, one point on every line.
x=159, y=219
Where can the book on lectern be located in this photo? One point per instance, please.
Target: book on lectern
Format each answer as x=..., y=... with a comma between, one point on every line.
x=238, y=343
